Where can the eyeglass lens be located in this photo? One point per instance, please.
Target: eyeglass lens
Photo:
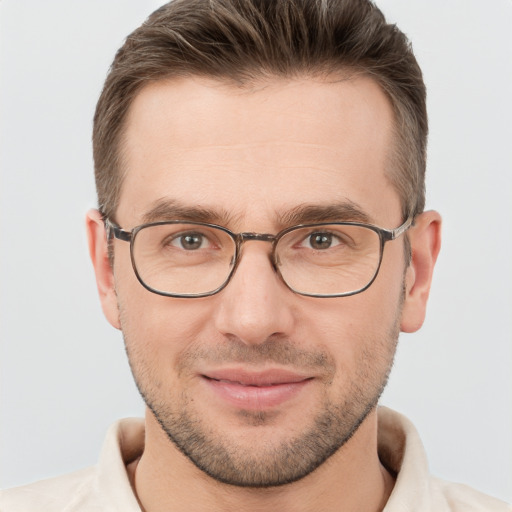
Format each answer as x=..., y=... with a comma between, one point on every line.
x=192, y=259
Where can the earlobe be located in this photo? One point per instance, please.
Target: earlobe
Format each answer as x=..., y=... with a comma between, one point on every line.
x=98, y=251
x=425, y=241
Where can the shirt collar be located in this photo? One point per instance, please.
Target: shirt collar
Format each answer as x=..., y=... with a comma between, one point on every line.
x=400, y=451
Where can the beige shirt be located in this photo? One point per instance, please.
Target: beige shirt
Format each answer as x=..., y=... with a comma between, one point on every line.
x=106, y=486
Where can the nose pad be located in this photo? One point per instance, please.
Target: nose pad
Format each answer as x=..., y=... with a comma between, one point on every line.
x=255, y=304
x=237, y=257
x=276, y=262
x=262, y=262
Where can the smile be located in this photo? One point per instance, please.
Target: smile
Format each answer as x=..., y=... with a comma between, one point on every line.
x=255, y=391
x=246, y=384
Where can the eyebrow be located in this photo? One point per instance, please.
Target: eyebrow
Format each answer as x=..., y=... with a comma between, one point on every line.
x=346, y=211
x=171, y=209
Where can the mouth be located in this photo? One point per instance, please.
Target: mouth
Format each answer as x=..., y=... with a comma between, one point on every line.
x=255, y=390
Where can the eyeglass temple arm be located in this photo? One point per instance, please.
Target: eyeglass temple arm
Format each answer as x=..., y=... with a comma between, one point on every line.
x=395, y=233
x=116, y=231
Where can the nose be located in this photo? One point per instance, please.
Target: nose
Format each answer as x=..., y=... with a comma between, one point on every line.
x=255, y=304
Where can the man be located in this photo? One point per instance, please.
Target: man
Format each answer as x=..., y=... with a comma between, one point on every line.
x=261, y=241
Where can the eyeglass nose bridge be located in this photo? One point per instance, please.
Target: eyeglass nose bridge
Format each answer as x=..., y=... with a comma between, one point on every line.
x=241, y=238
x=260, y=237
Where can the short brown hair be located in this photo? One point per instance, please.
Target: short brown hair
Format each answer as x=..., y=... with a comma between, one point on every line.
x=244, y=40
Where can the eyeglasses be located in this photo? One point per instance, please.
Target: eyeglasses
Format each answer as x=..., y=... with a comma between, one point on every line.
x=194, y=259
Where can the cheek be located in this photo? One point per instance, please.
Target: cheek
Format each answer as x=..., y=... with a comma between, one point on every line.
x=156, y=334
x=158, y=323
x=157, y=329
x=357, y=326
x=148, y=318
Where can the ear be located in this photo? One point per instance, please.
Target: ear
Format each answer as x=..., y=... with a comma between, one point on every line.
x=98, y=250
x=425, y=241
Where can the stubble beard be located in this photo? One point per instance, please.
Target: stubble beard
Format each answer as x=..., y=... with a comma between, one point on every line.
x=267, y=465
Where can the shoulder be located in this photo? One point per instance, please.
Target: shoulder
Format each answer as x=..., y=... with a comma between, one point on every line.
x=402, y=452
x=70, y=492
x=462, y=498
x=105, y=486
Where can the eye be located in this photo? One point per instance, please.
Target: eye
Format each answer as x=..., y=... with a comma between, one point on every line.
x=321, y=241
x=190, y=241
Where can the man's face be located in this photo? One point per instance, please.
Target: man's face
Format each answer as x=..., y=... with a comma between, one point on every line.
x=258, y=385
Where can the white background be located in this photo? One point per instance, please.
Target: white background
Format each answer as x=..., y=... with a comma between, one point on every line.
x=64, y=376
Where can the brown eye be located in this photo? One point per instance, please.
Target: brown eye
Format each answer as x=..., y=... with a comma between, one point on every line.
x=190, y=241
x=321, y=241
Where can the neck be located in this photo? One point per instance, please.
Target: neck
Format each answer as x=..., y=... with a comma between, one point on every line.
x=351, y=479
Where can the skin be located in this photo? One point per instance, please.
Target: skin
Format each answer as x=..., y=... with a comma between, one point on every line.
x=250, y=156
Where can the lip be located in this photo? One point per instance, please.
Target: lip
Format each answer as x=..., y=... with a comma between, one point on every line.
x=255, y=390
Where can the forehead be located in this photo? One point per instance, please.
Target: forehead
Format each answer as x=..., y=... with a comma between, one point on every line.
x=257, y=152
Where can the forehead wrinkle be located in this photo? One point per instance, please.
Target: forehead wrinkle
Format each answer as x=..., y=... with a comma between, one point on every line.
x=183, y=148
